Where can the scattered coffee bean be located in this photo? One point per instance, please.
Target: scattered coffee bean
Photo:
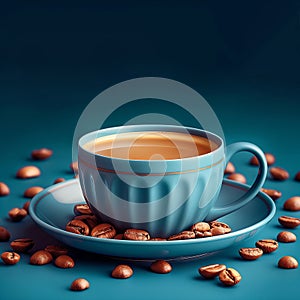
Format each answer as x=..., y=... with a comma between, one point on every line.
x=274, y=194
x=289, y=222
x=74, y=166
x=211, y=271
x=78, y=227
x=286, y=237
x=17, y=214
x=64, y=262
x=32, y=191
x=22, y=245
x=41, y=257
x=82, y=209
x=161, y=267
x=288, y=262
x=136, y=235
x=292, y=204
x=251, y=253
x=89, y=220
x=184, y=235
x=122, y=272
x=80, y=284
x=41, y=154
x=297, y=176
x=270, y=158
x=221, y=225
x=104, y=231
x=26, y=206
x=10, y=258
x=56, y=250
x=4, y=189
x=229, y=168
x=237, y=177
x=200, y=227
x=4, y=234
x=267, y=245
x=59, y=180
x=230, y=277
x=28, y=172
x=279, y=173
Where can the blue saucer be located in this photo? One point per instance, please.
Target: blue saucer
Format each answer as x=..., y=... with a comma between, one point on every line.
x=53, y=208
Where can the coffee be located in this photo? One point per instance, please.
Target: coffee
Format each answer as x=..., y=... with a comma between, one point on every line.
x=151, y=145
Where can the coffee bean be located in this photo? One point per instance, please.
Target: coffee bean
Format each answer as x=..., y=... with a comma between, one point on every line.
x=230, y=277
x=22, y=245
x=279, y=173
x=200, y=226
x=270, y=158
x=158, y=239
x=250, y=253
x=274, y=194
x=267, y=245
x=17, y=214
x=28, y=172
x=82, y=209
x=289, y=222
x=104, y=230
x=184, y=235
x=41, y=257
x=32, y=191
x=288, y=262
x=229, y=168
x=10, y=258
x=221, y=225
x=286, y=237
x=26, y=206
x=4, y=189
x=74, y=166
x=56, y=250
x=59, y=180
x=64, y=262
x=122, y=272
x=78, y=227
x=4, y=234
x=211, y=271
x=80, y=284
x=292, y=204
x=161, y=267
x=297, y=176
x=89, y=220
x=237, y=177
x=218, y=231
x=204, y=234
x=136, y=235
x=41, y=154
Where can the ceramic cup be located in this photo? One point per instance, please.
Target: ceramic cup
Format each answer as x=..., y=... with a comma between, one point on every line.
x=161, y=196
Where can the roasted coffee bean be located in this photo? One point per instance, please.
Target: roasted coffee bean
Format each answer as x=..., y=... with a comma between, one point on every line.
x=32, y=191
x=288, y=262
x=41, y=257
x=122, y=272
x=270, y=158
x=80, y=284
x=161, y=267
x=200, y=226
x=26, y=206
x=292, y=204
x=82, y=209
x=211, y=271
x=59, y=180
x=78, y=227
x=158, y=239
x=184, y=235
x=64, y=262
x=118, y=236
x=89, y=220
x=279, y=173
x=10, y=258
x=136, y=235
x=4, y=234
x=104, y=230
x=267, y=245
x=200, y=234
x=237, y=177
x=17, y=214
x=41, y=154
x=297, y=176
x=289, y=222
x=28, y=172
x=22, y=245
x=251, y=253
x=218, y=231
x=229, y=168
x=56, y=250
x=274, y=194
x=286, y=237
x=217, y=224
x=230, y=277
x=74, y=166
x=4, y=189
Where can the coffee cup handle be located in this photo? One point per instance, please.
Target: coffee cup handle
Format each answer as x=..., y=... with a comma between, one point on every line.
x=217, y=212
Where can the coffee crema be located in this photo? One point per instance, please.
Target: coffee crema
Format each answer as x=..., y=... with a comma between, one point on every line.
x=151, y=145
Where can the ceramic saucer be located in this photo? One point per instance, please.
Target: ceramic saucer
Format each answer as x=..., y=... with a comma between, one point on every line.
x=53, y=208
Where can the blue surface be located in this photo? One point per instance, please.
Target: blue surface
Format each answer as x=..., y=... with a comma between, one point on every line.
x=244, y=59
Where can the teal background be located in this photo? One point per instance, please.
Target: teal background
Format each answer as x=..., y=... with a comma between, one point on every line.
x=242, y=56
